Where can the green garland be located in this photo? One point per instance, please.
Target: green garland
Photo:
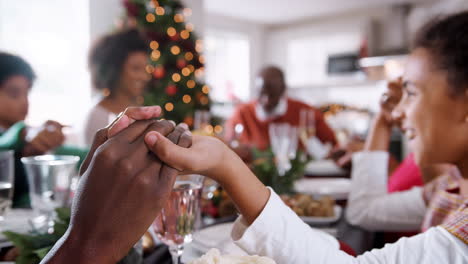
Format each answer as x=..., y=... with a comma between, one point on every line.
x=34, y=246
x=264, y=168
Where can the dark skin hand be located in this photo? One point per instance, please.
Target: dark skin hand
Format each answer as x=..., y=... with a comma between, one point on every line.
x=122, y=190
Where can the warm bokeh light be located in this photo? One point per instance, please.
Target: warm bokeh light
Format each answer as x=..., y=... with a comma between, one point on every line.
x=176, y=77
x=186, y=71
x=149, y=69
x=201, y=59
x=186, y=98
x=205, y=89
x=175, y=50
x=187, y=11
x=191, y=84
x=209, y=129
x=191, y=67
x=169, y=107
x=150, y=18
x=189, y=56
x=199, y=46
x=160, y=11
x=189, y=27
x=171, y=32
x=179, y=18
x=185, y=34
x=154, y=44
x=155, y=55
x=218, y=129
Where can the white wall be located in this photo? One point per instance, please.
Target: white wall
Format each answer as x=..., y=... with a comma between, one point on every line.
x=254, y=31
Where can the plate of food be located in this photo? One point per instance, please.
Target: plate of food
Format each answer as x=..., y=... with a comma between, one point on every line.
x=313, y=211
x=337, y=188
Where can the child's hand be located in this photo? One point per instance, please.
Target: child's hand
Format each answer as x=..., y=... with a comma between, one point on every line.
x=48, y=137
x=206, y=155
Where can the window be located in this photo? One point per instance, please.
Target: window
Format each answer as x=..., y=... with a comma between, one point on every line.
x=227, y=66
x=53, y=36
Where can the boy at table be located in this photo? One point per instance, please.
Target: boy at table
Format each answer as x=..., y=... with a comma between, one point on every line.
x=16, y=79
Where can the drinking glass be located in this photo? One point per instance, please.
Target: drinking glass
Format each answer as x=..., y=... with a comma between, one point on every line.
x=49, y=178
x=307, y=128
x=7, y=173
x=177, y=220
x=202, y=119
x=283, y=139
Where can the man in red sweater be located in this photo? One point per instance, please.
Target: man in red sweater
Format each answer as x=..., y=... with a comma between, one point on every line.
x=272, y=106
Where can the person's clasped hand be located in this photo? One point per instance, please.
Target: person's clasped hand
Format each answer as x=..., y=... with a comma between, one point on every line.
x=122, y=189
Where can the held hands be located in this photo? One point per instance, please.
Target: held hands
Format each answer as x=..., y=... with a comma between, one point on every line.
x=122, y=189
x=206, y=156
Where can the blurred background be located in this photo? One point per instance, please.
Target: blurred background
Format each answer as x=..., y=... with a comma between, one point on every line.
x=317, y=43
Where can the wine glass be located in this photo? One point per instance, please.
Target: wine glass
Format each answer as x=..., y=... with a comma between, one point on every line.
x=283, y=139
x=7, y=174
x=307, y=128
x=49, y=178
x=177, y=220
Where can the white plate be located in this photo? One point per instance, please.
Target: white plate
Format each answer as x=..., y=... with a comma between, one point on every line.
x=323, y=168
x=323, y=220
x=337, y=188
x=217, y=236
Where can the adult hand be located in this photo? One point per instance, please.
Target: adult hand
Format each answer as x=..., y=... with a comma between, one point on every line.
x=45, y=138
x=121, y=192
x=126, y=118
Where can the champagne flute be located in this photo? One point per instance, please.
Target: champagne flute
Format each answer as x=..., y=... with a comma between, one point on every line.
x=177, y=220
x=307, y=128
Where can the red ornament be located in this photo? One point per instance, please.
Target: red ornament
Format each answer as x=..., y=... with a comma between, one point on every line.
x=181, y=63
x=159, y=72
x=171, y=90
x=176, y=37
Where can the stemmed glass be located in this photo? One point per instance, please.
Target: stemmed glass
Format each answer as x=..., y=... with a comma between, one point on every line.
x=6, y=181
x=307, y=127
x=177, y=220
x=283, y=138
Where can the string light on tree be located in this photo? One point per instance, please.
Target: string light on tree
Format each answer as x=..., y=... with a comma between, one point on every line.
x=191, y=84
x=187, y=12
x=155, y=55
x=160, y=11
x=149, y=69
x=169, y=107
x=201, y=59
x=205, y=89
x=175, y=50
x=189, y=27
x=179, y=18
x=199, y=46
x=185, y=34
x=150, y=18
x=188, y=55
x=174, y=57
x=171, y=32
x=154, y=45
x=176, y=77
x=186, y=98
x=186, y=72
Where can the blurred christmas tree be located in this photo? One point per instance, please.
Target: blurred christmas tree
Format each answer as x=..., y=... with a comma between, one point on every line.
x=175, y=60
